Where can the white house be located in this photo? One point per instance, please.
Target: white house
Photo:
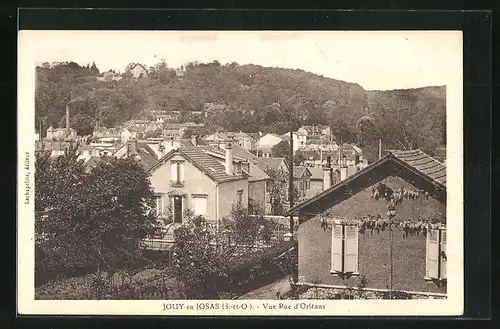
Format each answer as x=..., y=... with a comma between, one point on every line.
x=299, y=140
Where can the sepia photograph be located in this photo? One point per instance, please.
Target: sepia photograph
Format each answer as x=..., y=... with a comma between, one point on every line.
x=273, y=172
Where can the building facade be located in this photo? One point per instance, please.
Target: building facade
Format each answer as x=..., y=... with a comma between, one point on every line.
x=345, y=231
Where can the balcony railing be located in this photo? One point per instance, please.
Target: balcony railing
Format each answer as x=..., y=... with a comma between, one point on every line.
x=177, y=183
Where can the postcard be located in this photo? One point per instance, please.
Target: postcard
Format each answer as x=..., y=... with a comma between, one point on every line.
x=266, y=173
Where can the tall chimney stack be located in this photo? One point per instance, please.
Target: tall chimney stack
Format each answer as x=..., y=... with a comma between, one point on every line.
x=229, y=158
x=67, y=116
x=327, y=173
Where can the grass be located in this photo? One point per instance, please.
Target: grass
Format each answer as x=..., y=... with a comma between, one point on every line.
x=82, y=288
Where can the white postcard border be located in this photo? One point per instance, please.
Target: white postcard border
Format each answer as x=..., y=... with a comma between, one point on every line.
x=27, y=305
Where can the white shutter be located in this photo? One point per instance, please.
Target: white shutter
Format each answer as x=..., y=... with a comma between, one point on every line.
x=200, y=206
x=336, y=248
x=351, y=249
x=173, y=172
x=432, y=255
x=444, y=256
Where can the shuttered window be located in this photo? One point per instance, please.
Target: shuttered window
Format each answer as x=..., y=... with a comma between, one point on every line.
x=435, y=266
x=337, y=246
x=200, y=205
x=345, y=253
x=351, y=249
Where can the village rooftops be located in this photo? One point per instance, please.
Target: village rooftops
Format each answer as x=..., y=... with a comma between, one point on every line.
x=255, y=174
x=429, y=172
x=298, y=171
x=269, y=162
x=203, y=161
x=316, y=173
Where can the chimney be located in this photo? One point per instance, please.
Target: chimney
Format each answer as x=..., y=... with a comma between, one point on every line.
x=343, y=169
x=229, y=159
x=327, y=173
x=67, y=116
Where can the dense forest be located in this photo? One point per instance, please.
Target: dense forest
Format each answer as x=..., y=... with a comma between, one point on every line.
x=257, y=99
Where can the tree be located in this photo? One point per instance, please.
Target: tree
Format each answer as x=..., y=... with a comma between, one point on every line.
x=299, y=157
x=282, y=150
x=89, y=220
x=83, y=123
x=277, y=190
x=118, y=198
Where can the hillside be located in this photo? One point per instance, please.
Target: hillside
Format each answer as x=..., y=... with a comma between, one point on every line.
x=412, y=118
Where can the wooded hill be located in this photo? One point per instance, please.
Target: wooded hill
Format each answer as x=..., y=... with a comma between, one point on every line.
x=257, y=99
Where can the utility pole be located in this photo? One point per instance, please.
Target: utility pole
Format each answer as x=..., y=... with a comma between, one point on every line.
x=380, y=148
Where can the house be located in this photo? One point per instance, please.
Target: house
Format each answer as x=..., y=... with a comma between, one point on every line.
x=55, y=147
x=266, y=143
x=138, y=71
x=177, y=130
x=315, y=131
x=301, y=181
x=189, y=178
x=61, y=133
x=140, y=151
x=299, y=140
x=344, y=231
x=276, y=163
x=316, y=180
x=257, y=178
x=217, y=138
x=320, y=144
x=109, y=76
x=244, y=140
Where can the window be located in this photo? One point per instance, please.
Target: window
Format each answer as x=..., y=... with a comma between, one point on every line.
x=159, y=204
x=240, y=197
x=435, y=260
x=200, y=205
x=177, y=172
x=177, y=209
x=344, y=249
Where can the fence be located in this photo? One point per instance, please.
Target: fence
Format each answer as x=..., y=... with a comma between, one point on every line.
x=277, y=234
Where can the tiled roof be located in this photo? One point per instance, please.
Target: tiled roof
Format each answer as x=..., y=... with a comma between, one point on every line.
x=242, y=153
x=316, y=173
x=146, y=154
x=298, y=171
x=271, y=163
x=423, y=163
x=255, y=174
x=415, y=161
x=206, y=163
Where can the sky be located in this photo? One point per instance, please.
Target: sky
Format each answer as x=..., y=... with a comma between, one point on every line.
x=376, y=60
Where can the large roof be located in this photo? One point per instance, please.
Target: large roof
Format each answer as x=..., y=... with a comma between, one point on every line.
x=240, y=154
x=206, y=163
x=271, y=162
x=298, y=171
x=416, y=162
x=316, y=173
x=423, y=163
